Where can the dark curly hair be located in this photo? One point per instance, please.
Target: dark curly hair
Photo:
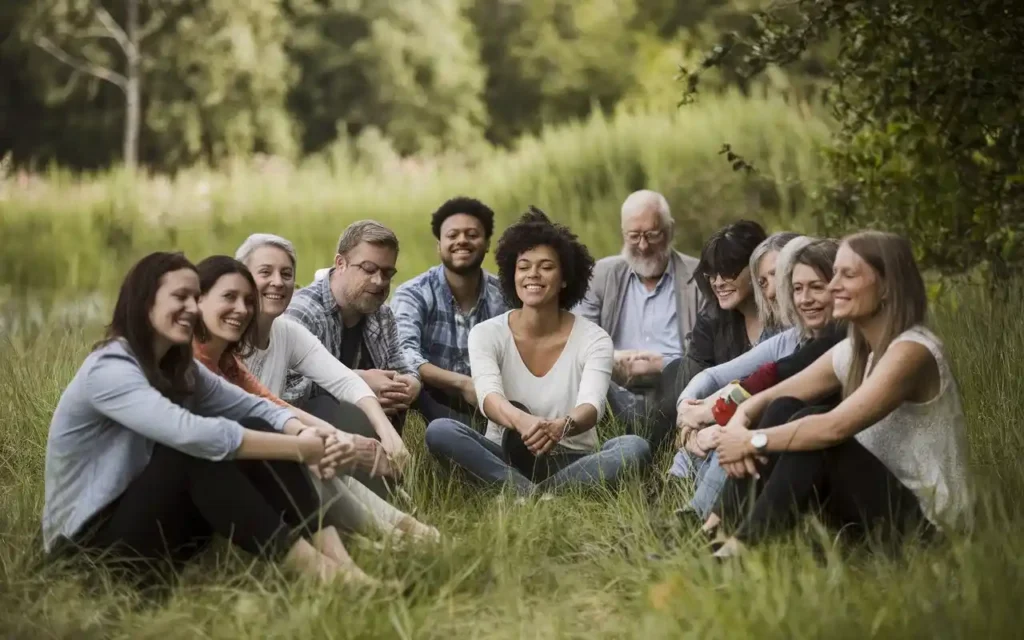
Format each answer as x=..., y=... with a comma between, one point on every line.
x=468, y=206
x=535, y=229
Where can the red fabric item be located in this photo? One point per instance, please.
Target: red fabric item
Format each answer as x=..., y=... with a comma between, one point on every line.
x=766, y=376
x=722, y=410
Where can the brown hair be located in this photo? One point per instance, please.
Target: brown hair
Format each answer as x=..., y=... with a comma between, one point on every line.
x=210, y=271
x=903, y=303
x=366, y=231
x=173, y=375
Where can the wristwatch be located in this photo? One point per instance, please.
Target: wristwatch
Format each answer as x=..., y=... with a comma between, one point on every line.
x=759, y=440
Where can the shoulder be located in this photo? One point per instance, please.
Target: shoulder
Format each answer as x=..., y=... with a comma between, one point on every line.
x=418, y=286
x=920, y=344
x=609, y=266
x=687, y=261
x=841, y=355
x=490, y=330
x=592, y=334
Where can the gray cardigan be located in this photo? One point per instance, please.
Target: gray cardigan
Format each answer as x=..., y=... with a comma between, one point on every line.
x=603, y=302
x=107, y=421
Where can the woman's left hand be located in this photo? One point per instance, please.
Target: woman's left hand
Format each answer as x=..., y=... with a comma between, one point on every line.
x=733, y=444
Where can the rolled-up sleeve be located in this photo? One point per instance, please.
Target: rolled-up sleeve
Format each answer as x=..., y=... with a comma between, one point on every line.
x=598, y=358
x=410, y=311
x=118, y=389
x=484, y=346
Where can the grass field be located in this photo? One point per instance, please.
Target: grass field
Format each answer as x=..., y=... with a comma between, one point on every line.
x=571, y=568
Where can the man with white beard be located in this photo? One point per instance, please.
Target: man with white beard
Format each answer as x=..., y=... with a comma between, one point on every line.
x=647, y=300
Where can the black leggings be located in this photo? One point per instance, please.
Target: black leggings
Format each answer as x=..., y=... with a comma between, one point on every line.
x=846, y=484
x=171, y=511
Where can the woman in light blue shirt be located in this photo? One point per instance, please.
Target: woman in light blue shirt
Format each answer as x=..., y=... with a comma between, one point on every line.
x=150, y=455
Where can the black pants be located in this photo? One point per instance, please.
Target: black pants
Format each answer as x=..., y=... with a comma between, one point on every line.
x=655, y=421
x=434, y=404
x=349, y=418
x=845, y=484
x=171, y=511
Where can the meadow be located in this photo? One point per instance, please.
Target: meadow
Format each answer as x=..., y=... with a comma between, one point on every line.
x=576, y=567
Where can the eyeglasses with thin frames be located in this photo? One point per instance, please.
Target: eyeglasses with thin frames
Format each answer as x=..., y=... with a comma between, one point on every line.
x=372, y=268
x=633, y=237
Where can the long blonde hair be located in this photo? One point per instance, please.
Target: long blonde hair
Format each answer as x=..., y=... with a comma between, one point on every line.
x=903, y=299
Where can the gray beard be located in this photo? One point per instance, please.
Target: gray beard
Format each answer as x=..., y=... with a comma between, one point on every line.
x=651, y=267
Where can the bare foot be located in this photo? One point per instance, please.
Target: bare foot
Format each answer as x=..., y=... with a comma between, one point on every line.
x=303, y=559
x=410, y=526
x=732, y=548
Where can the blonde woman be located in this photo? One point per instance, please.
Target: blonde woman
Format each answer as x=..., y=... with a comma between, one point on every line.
x=892, y=456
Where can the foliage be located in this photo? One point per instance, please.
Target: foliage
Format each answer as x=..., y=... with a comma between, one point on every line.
x=222, y=80
x=576, y=567
x=929, y=98
x=62, y=232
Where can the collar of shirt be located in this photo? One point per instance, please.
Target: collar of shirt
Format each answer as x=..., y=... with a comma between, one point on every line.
x=442, y=283
x=664, y=281
x=324, y=293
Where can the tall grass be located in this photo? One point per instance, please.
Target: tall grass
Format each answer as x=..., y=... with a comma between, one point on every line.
x=576, y=567
x=63, y=232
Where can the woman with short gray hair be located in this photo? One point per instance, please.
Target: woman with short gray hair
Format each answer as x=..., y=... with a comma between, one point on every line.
x=283, y=345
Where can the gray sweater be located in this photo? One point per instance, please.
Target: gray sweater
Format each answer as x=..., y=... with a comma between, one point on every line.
x=103, y=430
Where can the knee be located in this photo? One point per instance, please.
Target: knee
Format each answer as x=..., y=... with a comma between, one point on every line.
x=634, y=449
x=440, y=435
x=780, y=411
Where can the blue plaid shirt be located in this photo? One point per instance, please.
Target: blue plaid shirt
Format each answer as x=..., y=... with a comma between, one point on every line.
x=431, y=325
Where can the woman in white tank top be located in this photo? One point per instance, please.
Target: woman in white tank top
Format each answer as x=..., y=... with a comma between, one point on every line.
x=891, y=458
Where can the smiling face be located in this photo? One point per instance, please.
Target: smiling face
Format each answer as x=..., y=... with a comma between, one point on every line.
x=228, y=307
x=766, y=275
x=811, y=297
x=856, y=287
x=174, y=312
x=732, y=292
x=274, y=273
x=538, y=277
x=462, y=244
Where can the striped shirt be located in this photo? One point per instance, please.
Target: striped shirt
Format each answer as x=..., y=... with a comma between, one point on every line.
x=432, y=326
x=314, y=306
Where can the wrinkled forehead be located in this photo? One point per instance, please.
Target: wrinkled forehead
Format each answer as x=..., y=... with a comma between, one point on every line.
x=647, y=219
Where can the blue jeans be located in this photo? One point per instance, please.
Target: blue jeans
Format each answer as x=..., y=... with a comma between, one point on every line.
x=488, y=462
x=708, y=477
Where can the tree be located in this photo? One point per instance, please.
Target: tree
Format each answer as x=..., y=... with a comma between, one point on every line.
x=89, y=27
x=409, y=70
x=929, y=96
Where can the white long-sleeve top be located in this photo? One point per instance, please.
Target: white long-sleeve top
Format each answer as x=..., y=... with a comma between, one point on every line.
x=580, y=375
x=293, y=347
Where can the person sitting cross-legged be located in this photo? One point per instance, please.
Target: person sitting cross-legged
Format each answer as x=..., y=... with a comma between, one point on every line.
x=437, y=309
x=541, y=374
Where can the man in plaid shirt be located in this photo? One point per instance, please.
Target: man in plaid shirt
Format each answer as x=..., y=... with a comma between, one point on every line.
x=435, y=311
x=344, y=308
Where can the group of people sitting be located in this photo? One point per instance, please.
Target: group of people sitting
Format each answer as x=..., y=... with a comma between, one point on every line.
x=789, y=375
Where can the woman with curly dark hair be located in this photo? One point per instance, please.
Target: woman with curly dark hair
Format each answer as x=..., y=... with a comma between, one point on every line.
x=541, y=374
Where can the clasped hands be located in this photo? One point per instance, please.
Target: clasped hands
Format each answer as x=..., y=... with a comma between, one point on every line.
x=632, y=364
x=347, y=452
x=732, y=442
x=395, y=391
x=540, y=435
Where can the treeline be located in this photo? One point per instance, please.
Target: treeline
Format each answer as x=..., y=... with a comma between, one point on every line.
x=91, y=83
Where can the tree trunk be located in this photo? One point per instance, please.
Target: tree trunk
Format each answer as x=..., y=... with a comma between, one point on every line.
x=132, y=90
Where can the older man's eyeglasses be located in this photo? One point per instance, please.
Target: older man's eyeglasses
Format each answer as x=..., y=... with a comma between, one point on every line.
x=371, y=268
x=634, y=237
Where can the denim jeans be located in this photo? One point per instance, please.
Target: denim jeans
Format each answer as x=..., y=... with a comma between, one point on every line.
x=488, y=462
x=708, y=477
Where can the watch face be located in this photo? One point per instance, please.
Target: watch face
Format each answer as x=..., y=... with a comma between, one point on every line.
x=759, y=440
